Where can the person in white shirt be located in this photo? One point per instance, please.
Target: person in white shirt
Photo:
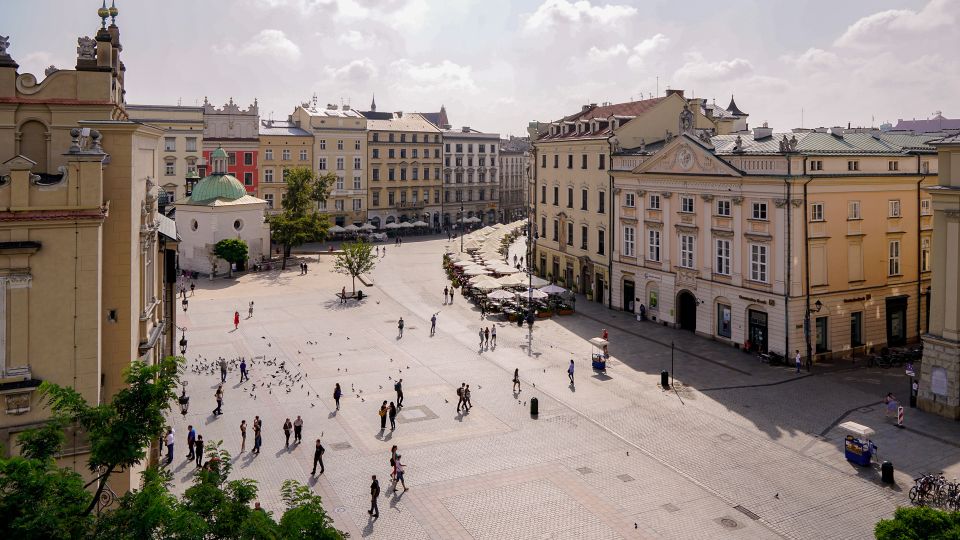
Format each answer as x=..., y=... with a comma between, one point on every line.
x=169, y=442
x=798, y=360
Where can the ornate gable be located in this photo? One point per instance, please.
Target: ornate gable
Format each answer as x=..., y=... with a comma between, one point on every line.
x=686, y=155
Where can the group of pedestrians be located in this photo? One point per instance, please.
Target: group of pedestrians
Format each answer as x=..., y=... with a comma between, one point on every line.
x=381, y=252
x=303, y=268
x=194, y=445
x=463, y=398
x=488, y=336
x=448, y=293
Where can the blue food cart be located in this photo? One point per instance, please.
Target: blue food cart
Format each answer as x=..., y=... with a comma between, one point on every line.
x=599, y=354
x=857, y=446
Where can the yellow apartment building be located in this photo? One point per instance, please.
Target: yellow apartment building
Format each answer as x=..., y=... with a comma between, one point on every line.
x=182, y=147
x=283, y=146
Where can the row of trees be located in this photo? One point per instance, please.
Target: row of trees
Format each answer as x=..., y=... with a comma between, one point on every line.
x=40, y=500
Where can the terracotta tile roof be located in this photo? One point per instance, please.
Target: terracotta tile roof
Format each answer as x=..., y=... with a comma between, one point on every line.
x=630, y=109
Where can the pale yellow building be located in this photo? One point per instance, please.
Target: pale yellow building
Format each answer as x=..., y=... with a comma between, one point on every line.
x=572, y=202
x=339, y=142
x=86, y=262
x=404, y=182
x=182, y=146
x=283, y=146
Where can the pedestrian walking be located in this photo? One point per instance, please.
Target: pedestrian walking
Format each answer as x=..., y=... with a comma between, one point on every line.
x=451, y=295
x=481, y=338
x=191, y=439
x=318, y=458
x=466, y=398
x=797, y=360
x=514, y=258
x=890, y=403
x=383, y=416
x=493, y=335
x=483, y=310
x=384, y=253
x=193, y=286
x=250, y=310
x=398, y=474
x=223, y=370
x=570, y=371
x=257, y=437
x=398, y=388
x=374, y=493
x=199, y=449
x=219, y=397
x=392, y=413
x=287, y=426
x=236, y=320
x=378, y=251
x=169, y=441
x=433, y=323
x=460, y=395
x=243, y=435
x=486, y=335
x=516, y=379
x=400, y=326
x=306, y=268
x=446, y=293
x=393, y=462
x=243, y=370
x=336, y=395
x=298, y=430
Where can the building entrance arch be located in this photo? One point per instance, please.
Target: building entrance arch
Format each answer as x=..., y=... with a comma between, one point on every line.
x=687, y=310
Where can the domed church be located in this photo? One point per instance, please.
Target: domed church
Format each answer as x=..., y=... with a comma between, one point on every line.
x=218, y=208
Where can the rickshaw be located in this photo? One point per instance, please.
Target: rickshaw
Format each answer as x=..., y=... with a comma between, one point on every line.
x=599, y=354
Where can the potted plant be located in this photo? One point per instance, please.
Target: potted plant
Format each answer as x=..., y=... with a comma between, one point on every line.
x=564, y=309
x=589, y=293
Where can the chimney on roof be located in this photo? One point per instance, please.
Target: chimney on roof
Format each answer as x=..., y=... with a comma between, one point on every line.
x=585, y=108
x=762, y=132
x=671, y=91
x=465, y=129
x=399, y=114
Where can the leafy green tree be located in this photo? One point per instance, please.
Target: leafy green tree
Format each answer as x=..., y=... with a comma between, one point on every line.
x=357, y=258
x=300, y=221
x=232, y=250
x=919, y=523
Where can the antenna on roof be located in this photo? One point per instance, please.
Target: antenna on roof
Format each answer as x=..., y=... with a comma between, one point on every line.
x=658, y=85
x=314, y=100
x=179, y=101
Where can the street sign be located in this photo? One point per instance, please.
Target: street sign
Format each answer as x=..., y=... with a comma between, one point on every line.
x=909, y=370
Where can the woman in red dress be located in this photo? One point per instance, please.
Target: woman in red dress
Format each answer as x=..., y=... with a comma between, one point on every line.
x=236, y=320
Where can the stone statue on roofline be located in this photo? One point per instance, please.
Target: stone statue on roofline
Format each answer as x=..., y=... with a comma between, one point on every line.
x=4, y=45
x=86, y=48
x=738, y=144
x=686, y=119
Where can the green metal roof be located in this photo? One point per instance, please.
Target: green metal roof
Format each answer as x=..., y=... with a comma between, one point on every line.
x=217, y=186
x=218, y=153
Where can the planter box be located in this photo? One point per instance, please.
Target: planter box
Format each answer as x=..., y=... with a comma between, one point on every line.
x=564, y=312
x=544, y=314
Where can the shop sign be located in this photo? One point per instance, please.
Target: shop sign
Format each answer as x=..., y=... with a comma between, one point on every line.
x=771, y=301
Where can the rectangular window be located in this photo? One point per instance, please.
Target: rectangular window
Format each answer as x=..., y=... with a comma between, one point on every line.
x=687, y=243
x=323, y=142
x=414, y=153
x=893, y=261
x=629, y=241
x=191, y=144
x=376, y=175
x=821, y=335
x=357, y=204
x=391, y=153
x=556, y=196
x=338, y=205
x=268, y=154
x=569, y=197
x=391, y=174
x=723, y=257
x=760, y=211
x=601, y=202
x=601, y=243
x=426, y=173
x=470, y=148
x=723, y=207
x=322, y=164
x=569, y=233
x=629, y=200
x=543, y=194
x=482, y=148
x=543, y=226
x=340, y=145
x=653, y=245
x=816, y=165
x=569, y=161
x=893, y=165
x=403, y=153
x=376, y=198
x=356, y=144
x=248, y=178
x=853, y=165
x=556, y=161
x=654, y=202
x=248, y=158
x=724, y=322
x=584, y=237
x=583, y=161
x=893, y=207
x=584, y=196
x=170, y=169
x=925, y=255
x=415, y=173
x=556, y=230
x=170, y=144
x=816, y=211
x=758, y=263
x=602, y=162
x=231, y=158
x=853, y=209
x=269, y=198
x=686, y=204
x=268, y=175
x=403, y=173
x=856, y=329
x=303, y=155
x=356, y=181
x=391, y=196
x=339, y=184
x=286, y=154
x=543, y=161
x=375, y=153
x=925, y=207
x=339, y=163
x=356, y=163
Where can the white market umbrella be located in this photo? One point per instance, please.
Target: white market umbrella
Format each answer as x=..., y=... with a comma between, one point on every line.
x=420, y=224
x=553, y=289
x=336, y=229
x=513, y=280
x=476, y=271
x=367, y=226
x=352, y=228
x=392, y=225
x=501, y=295
x=536, y=294
x=505, y=270
x=538, y=282
x=485, y=283
x=406, y=225
x=461, y=264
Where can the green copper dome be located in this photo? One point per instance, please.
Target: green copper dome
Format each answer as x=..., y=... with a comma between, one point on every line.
x=217, y=186
x=219, y=153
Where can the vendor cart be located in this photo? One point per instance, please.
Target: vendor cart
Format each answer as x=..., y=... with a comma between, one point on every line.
x=857, y=446
x=599, y=354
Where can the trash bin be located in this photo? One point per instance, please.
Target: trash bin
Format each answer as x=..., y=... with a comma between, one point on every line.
x=534, y=407
x=665, y=379
x=886, y=472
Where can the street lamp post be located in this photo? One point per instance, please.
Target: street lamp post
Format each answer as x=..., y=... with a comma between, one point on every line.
x=184, y=400
x=184, y=304
x=183, y=340
x=461, y=227
x=531, y=245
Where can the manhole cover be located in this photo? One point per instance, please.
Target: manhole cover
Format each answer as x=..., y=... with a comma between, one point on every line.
x=340, y=509
x=584, y=470
x=341, y=446
x=625, y=478
x=670, y=507
x=725, y=437
x=729, y=523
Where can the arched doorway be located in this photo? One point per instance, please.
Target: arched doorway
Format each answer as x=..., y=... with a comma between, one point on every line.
x=687, y=311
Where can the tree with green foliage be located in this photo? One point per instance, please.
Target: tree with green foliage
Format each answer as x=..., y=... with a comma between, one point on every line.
x=39, y=500
x=300, y=221
x=232, y=250
x=919, y=523
x=356, y=259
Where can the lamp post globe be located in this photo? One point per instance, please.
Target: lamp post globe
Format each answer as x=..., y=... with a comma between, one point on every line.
x=184, y=400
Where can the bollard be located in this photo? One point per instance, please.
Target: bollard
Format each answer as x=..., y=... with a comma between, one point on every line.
x=534, y=407
x=900, y=416
x=886, y=472
x=665, y=379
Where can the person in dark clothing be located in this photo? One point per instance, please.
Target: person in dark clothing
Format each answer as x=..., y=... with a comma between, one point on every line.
x=243, y=370
x=516, y=380
x=219, y=396
x=336, y=395
x=398, y=387
x=392, y=413
x=298, y=430
x=400, y=326
x=198, y=448
x=287, y=426
x=374, y=493
x=318, y=458
x=191, y=440
x=383, y=416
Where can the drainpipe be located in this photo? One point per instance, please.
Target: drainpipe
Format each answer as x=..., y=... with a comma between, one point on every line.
x=613, y=234
x=806, y=256
x=919, y=253
x=786, y=290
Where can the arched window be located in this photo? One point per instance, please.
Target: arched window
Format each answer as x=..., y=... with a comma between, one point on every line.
x=33, y=144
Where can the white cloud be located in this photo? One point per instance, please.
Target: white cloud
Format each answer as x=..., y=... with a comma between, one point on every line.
x=877, y=28
x=427, y=77
x=814, y=59
x=602, y=55
x=699, y=69
x=272, y=43
x=563, y=12
x=357, y=71
x=304, y=7
x=647, y=47
x=353, y=39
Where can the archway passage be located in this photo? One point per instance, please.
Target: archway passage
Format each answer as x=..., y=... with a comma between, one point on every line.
x=687, y=311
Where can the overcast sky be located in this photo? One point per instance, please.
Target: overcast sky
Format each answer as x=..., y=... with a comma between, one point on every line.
x=497, y=64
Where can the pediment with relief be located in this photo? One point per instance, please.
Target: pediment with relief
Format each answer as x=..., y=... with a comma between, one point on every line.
x=686, y=156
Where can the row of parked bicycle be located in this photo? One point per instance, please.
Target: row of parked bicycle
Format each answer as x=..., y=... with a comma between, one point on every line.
x=895, y=357
x=935, y=490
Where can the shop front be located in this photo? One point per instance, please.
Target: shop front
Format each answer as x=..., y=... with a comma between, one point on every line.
x=757, y=336
x=896, y=321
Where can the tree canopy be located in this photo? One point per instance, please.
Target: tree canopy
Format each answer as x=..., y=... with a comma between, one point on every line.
x=357, y=258
x=300, y=221
x=919, y=523
x=232, y=250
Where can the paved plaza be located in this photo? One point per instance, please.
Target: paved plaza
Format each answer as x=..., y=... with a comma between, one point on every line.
x=738, y=449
